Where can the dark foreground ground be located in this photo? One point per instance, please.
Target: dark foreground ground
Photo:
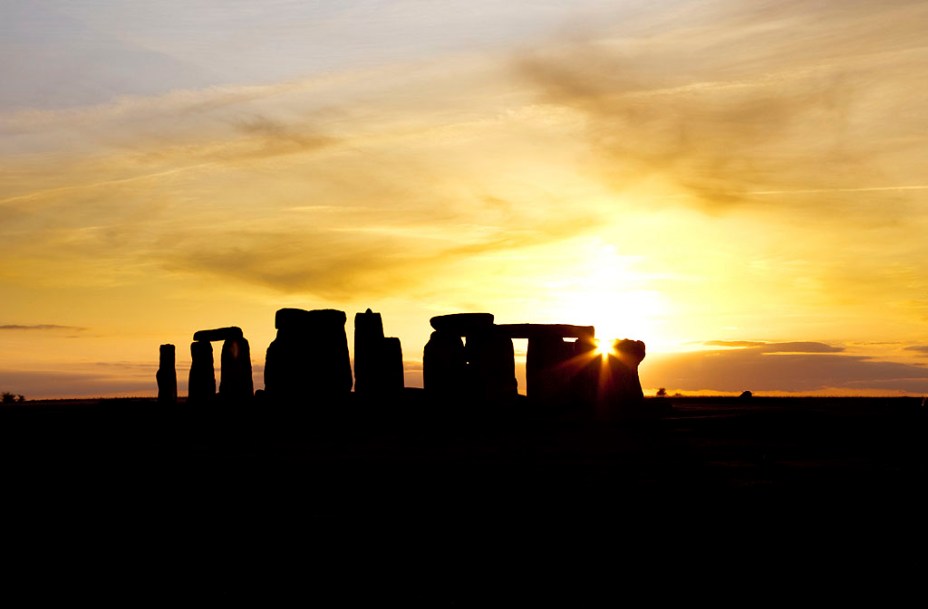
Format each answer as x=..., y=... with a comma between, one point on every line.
x=768, y=493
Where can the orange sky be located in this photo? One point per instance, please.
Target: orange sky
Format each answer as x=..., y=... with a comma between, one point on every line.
x=741, y=185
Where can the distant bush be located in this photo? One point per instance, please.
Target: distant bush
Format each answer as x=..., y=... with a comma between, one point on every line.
x=661, y=393
x=8, y=398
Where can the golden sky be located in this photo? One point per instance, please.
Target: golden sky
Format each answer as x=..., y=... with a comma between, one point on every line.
x=741, y=185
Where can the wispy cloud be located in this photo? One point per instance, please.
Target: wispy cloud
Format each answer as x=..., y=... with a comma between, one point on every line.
x=42, y=327
x=736, y=101
x=803, y=367
x=790, y=347
x=734, y=344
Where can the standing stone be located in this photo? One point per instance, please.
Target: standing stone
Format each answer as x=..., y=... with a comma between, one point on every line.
x=444, y=366
x=619, y=384
x=201, y=386
x=586, y=369
x=549, y=370
x=167, y=375
x=378, y=360
x=392, y=378
x=491, y=374
x=623, y=362
x=235, y=381
x=368, y=341
x=309, y=359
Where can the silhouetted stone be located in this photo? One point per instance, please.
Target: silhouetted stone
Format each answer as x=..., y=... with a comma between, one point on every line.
x=216, y=334
x=444, y=365
x=462, y=324
x=620, y=390
x=167, y=375
x=308, y=360
x=201, y=386
x=393, y=376
x=588, y=366
x=491, y=375
x=378, y=361
x=236, y=383
x=550, y=369
x=558, y=371
x=368, y=336
x=631, y=353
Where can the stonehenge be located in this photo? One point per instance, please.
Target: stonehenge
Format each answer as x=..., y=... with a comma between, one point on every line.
x=468, y=359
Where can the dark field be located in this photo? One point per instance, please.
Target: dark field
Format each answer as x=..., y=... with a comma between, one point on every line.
x=744, y=482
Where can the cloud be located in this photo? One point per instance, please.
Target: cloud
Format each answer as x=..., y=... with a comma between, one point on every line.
x=210, y=183
x=81, y=381
x=43, y=327
x=790, y=347
x=802, y=367
x=735, y=104
x=922, y=350
x=733, y=343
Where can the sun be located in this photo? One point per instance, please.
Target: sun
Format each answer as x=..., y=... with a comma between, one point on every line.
x=604, y=289
x=603, y=347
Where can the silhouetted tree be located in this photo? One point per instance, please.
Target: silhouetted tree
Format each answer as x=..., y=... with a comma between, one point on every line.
x=661, y=393
x=8, y=398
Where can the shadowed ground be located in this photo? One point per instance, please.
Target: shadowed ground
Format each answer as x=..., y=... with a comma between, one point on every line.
x=822, y=480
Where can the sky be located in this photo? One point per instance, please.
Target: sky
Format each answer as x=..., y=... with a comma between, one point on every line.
x=739, y=184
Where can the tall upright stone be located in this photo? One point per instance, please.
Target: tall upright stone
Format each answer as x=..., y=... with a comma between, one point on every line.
x=548, y=369
x=586, y=370
x=368, y=336
x=491, y=375
x=201, y=386
x=444, y=366
x=621, y=382
x=167, y=375
x=378, y=360
x=235, y=380
x=308, y=361
x=392, y=376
